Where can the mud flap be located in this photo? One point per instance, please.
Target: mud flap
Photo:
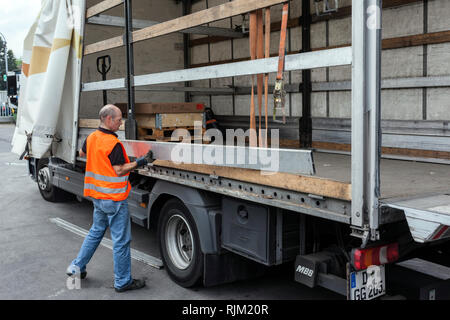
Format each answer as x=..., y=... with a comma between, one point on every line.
x=229, y=267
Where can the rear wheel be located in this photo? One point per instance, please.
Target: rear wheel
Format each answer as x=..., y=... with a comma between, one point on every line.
x=48, y=191
x=179, y=244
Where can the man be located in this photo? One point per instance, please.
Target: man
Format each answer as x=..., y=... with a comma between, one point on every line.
x=106, y=182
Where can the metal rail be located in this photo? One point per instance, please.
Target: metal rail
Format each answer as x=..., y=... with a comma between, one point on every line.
x=264, y=159
x=366, y=110
x=300, y=61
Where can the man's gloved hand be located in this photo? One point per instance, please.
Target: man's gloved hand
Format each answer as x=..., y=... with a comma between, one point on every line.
x=142, y=161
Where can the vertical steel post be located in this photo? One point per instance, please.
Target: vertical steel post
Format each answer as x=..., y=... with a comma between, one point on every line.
x=305, y=125
x=186, y=49
x=130, y=123
x=366, y=129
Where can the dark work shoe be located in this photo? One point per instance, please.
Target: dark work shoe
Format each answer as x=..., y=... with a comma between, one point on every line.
x=135, y=284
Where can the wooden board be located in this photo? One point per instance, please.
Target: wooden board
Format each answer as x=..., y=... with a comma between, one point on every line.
x=169, y=120
x=103, y=45
x=331, y=146
x=166, y=107
x=343, y=12
x=391, y=43
x=93, y=124
x=414, y=153
x=102, y=6
x=226, y=10
x=305, y=184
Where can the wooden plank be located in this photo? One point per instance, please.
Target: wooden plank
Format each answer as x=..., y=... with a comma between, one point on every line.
x=332, y=146
x=391, y=43
x=146, y=121
x=104, y=45
x=169, y=120
x=305, y=184
x=414, y=153
x=417, y=40
x=220, y=12
x=93, y=124
x=102, y=7
x=343, y=12
x=180, y=119
x=164, y=107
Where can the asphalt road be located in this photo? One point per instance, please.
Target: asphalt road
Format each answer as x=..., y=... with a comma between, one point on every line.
x=34, y=252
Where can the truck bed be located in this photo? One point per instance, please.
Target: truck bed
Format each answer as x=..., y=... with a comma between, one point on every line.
x=333, y=177
x=398, y=178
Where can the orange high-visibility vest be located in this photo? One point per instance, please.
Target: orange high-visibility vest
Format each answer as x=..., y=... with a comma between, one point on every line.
x=100, y=180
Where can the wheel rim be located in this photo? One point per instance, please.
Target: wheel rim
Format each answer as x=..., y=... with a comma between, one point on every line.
x=44, y=179
x=179, y=242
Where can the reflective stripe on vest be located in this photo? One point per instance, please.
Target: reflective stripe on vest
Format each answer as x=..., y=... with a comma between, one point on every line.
x=105, y=178
x=101, y=180
x=90, y=186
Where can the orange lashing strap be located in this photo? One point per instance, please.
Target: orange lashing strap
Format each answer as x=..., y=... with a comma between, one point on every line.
x=257, y=50
x=260, y=77
x=253, y=38
x=279, y=94
x=266, y=76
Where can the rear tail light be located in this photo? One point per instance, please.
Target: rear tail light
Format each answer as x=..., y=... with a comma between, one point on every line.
x=363, y=258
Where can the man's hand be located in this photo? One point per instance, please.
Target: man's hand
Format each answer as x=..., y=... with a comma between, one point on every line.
x=148, y=158
x=140, y=162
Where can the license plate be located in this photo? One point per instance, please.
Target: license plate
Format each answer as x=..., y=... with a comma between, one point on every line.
x=367, y=284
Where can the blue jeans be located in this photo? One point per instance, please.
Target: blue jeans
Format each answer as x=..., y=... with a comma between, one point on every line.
x=115, y=215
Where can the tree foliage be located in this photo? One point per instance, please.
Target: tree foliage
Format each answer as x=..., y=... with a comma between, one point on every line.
x=12, y=63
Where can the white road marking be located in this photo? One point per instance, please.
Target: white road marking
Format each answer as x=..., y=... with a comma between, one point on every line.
x=15, y=164
x=135, y=254
x=56, y=294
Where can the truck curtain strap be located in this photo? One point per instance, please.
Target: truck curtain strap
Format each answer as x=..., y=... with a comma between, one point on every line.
x=26, y=153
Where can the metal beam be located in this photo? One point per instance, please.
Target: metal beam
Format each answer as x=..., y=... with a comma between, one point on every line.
x=264, y=159
x=309, y=60
x=187, y=7
x=114, y=21
x=130, y=123
x=305, y=122
x=394, y=83
x=366, y=128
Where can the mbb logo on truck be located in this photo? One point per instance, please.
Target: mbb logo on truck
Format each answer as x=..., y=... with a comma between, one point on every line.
x=304, y=270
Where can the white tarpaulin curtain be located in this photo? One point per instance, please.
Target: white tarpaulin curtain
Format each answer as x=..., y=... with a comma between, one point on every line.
x=50, y=81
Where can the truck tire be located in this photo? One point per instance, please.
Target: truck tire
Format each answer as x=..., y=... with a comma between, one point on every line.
x=179, y=244
x=48, y=191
